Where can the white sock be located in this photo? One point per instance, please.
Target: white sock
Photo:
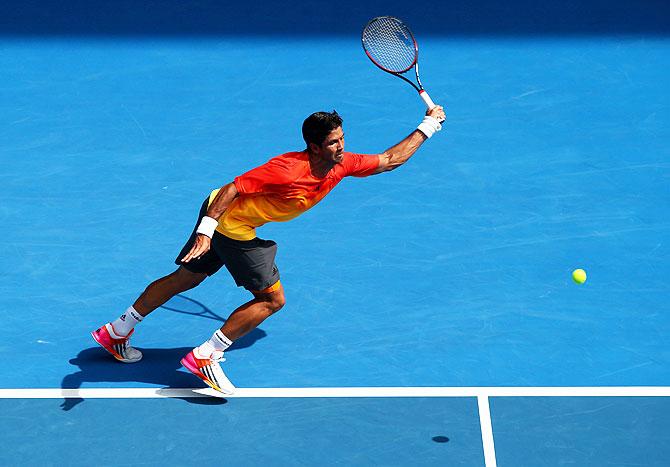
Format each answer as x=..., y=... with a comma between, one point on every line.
x=218, y=341
x=126, y=322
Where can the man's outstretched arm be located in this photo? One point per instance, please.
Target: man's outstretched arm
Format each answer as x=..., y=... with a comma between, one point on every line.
x=223, y=198
x=397, y=155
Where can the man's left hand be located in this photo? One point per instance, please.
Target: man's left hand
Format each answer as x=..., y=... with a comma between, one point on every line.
x=200, y=247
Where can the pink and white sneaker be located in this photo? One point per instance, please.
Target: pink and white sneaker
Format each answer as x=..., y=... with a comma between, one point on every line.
x=119, y=347
x=208, y=370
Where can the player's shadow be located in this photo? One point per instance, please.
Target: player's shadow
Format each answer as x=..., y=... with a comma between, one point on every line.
x=158, y=367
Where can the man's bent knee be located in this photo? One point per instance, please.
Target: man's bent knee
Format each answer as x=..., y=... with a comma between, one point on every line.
x=277, y=301
x=273, y=296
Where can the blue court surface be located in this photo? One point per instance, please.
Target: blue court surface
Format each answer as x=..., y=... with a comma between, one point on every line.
x=431, y=318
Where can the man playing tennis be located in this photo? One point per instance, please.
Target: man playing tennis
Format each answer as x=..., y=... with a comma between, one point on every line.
x=225, y=234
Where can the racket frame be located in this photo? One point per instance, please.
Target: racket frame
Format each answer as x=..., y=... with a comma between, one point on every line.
x=422, y=92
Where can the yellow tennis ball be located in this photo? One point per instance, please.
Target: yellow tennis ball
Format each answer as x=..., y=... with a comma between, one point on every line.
x=579, y=276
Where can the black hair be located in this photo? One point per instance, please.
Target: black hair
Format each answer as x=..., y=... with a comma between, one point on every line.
x=317, y=126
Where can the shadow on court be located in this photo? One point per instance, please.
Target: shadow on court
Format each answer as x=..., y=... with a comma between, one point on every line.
x=159, y=367
x=188, y=306
x=305, y=17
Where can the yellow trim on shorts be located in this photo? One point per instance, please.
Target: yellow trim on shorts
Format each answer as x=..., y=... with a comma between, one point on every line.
x=273, y=288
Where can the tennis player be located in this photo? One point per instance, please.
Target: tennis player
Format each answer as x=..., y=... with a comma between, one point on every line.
x=225, y=235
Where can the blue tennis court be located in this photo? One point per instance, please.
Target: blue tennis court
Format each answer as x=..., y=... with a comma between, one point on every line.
x=431, y=318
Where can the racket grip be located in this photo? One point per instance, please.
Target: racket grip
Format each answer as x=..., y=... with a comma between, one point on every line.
x=426, y=99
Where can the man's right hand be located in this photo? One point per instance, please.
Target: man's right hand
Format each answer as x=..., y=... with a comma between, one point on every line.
x=200, y=247
x=437, y=113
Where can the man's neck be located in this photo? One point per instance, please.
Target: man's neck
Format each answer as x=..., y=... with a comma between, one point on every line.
x=319, y=166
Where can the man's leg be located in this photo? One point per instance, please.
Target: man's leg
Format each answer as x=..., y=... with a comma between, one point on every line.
x=155, y=295
x=248, y=316
x=163, y=289
x=114, y=336
x=203, y=361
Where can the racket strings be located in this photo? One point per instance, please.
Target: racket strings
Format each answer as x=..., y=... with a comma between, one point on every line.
x=390, y=44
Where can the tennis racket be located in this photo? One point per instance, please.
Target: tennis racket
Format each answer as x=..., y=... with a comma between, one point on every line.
x=390, y=44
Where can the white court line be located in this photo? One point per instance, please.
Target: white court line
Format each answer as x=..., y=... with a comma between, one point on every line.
x=481, y=393
x=345, y=392
x=487, y=431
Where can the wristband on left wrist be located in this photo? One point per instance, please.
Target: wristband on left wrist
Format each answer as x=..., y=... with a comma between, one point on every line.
x=207, y=226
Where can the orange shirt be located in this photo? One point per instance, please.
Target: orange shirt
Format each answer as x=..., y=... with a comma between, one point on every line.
x=282, y=189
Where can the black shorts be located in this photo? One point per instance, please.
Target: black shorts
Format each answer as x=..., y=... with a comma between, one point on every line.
x=250, y=262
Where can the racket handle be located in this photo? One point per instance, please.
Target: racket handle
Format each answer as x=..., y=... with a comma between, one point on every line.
x=426, y=99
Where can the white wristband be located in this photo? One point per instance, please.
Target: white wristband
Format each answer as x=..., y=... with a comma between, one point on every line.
x=207, y=226
x=429, y=126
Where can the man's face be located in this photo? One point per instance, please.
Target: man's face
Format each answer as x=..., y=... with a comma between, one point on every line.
x=332, y=147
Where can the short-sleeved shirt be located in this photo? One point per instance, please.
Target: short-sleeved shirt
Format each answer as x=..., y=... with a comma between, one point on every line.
x=282, y=189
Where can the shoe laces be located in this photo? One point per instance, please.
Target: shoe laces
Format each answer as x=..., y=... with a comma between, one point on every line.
x=126, y=341
x=217, y=356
